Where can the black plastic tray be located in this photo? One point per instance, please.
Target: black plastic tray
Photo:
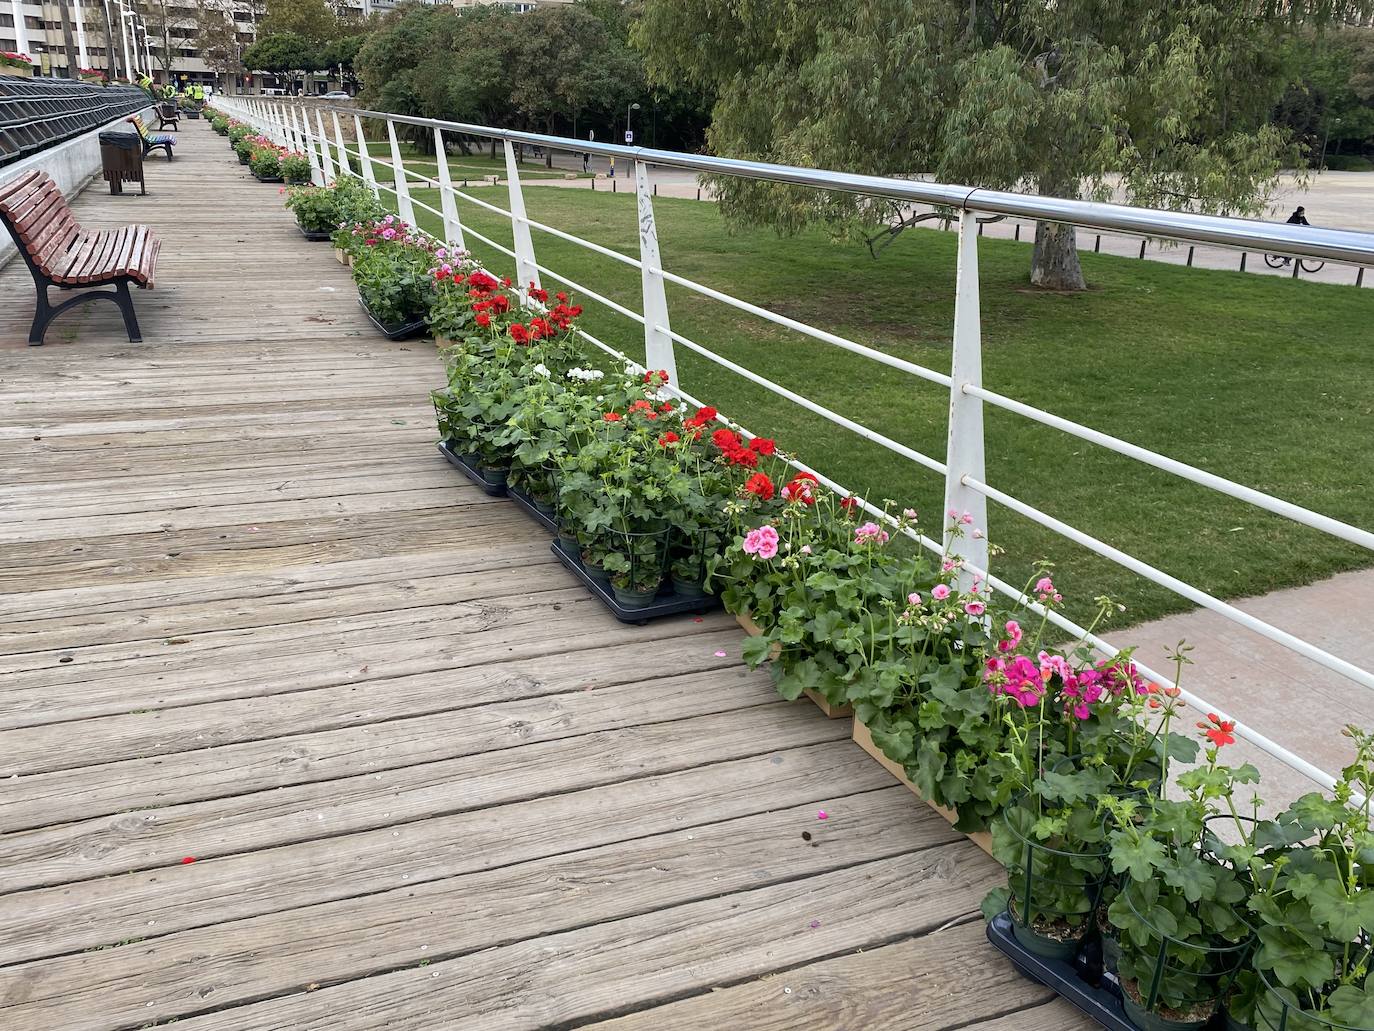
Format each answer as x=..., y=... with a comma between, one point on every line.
x=526, y=503
x=1102, y=1004
x=667, y=603
x=404, y=331
x=455, y=460
x=314, y=235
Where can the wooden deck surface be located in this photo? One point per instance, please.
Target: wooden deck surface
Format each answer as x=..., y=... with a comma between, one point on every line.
x=249, y=617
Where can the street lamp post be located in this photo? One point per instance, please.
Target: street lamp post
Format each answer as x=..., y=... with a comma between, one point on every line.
x=85, y=61
x=147, y=54
x=628, y=112
x=21, y=29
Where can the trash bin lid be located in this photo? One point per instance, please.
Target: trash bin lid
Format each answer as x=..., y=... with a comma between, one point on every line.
x=127, y=140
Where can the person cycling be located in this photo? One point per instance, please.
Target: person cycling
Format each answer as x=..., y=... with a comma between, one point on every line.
x=1298, y=218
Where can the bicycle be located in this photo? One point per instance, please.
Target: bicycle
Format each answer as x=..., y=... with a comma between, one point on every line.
x=1279, y=261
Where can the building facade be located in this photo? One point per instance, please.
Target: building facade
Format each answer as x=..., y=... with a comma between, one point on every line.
x=160, y=36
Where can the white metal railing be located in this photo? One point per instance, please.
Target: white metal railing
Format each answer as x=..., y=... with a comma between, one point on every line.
x=966, y=488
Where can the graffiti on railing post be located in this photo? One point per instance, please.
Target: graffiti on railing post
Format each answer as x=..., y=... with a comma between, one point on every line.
x=966, y=510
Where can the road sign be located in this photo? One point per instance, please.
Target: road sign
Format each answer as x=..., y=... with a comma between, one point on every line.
x=629, y=136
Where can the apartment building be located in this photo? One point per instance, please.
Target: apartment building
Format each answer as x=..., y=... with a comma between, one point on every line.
x=157, y=33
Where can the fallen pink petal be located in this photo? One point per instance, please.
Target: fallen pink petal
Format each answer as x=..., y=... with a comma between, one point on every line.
x=720, y=655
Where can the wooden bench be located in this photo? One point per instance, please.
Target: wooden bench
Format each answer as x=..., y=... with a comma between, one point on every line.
x=60, y=253
x=151, y=141
x=167, y=114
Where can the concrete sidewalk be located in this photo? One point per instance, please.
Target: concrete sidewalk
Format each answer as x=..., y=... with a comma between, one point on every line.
x=1288, y=698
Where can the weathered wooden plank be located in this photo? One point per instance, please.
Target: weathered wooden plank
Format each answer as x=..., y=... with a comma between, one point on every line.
x=409, y=924
x=201, y=516
x=285, y=760
x=87, y=914
x=577, y=976
x=939, y=981
x=354, y=703
x=160, y=838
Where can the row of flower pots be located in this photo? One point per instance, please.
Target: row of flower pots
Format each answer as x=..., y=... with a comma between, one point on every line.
x=268, y=161
x=1141, y=881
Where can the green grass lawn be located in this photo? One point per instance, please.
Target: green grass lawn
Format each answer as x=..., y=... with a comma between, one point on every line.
x=461, y=166
x=1267, y=381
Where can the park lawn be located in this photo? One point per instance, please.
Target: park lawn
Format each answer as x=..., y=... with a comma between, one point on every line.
x=1267, y=381
x=462, y=166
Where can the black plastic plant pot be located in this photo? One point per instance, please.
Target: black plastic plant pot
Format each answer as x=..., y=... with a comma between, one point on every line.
x=243, y=159
x=314, y=235
x=1221, y=963
x=665, y=603
x=528, y=505
x=468, y=468
x=688, y=555
x=268, y=178
x=1099, y=1003
x=1059, y=875
x=394, y=330
x=645, y=554
x=1276, y=1013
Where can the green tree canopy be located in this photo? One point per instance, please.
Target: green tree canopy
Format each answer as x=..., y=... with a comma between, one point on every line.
x=313, y=20
x=284, y=53
x=1172, y=96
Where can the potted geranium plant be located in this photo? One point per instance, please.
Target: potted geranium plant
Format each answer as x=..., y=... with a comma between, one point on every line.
x=394, y=284
x=15, y=63
x=315, y=210
x=295, y=169
x=1313, y=909
x=265, y=163
x=1179, y=913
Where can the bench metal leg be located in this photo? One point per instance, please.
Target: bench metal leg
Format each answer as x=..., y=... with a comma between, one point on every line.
x=126, y=308
x=45, y=312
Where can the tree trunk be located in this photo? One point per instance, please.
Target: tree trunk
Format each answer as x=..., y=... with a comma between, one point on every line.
x=110, y=59
x=1054, y=261
x=68, y=39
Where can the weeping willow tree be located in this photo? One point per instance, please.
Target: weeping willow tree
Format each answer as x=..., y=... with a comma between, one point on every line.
x=1170, y=99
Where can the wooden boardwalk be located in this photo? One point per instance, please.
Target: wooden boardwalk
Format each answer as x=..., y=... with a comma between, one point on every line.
x=249, y=617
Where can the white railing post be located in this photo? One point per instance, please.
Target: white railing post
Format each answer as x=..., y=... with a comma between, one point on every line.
x=316, y=167
x=364, y=157
x=345, y=165
x=292, y=136
x=453, y=226
x=964, y=454
x=658, y=344
x=398, y=176
x=279, y=124
x=324, y=147
x=526, y=272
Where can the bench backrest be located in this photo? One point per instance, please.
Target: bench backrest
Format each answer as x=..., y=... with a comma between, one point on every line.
x=38, y=217
x=138, y=124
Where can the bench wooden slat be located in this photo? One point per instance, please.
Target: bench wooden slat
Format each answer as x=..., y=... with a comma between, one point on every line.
x=130, y=249
x=102, y=257
x=59, y=228
x=79, y=252
x=59, y=249
x=16, y=191
x=42, y=204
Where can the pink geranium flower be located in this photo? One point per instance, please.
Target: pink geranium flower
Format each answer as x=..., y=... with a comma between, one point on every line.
x=940, y=592
x=761, y=542
x=870, y=533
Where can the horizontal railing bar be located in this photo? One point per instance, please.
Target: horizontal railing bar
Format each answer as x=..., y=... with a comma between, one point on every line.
x=808, y=404
x=811, y=331
x=1179, y=587
x=1297, y=513
x=1340, y=245
x=469, y=231
x=592, y=294
x=607, y=251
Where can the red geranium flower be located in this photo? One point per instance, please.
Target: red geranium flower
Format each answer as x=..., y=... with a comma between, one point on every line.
x=849, y=504
x=519, y=334
x=539, y=295
x=562, y=297
x=668, y=438
x=484, y=320
x=612, y=417
x=762, y=445
x=726, y=440
x=760, y=486
x=1220, y=732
